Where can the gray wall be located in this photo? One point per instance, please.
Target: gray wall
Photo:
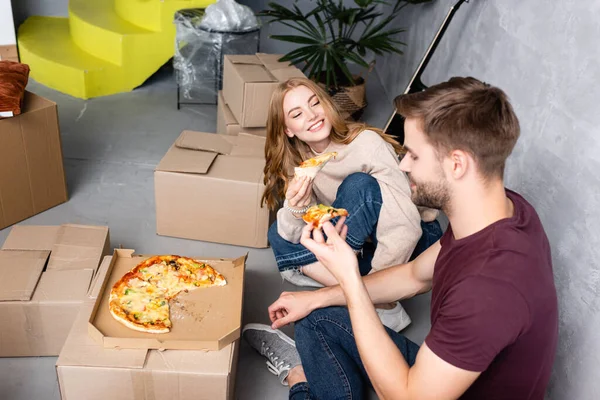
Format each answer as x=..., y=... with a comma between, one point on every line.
x=547, y=59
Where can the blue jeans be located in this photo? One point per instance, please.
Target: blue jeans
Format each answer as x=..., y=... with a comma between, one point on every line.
x=360, y=194
x=330, y=358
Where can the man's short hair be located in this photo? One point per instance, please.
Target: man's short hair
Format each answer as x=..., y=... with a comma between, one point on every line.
x=469, y=115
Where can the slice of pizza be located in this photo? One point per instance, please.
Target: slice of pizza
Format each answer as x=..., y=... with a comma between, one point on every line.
x=319, y=214
x=140, y=299
x=312, y=166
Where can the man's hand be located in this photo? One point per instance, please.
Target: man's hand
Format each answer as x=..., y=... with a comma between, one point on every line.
x=291, y=307
x=334, y=253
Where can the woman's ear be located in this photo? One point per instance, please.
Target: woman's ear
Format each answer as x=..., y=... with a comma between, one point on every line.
x=288, y=133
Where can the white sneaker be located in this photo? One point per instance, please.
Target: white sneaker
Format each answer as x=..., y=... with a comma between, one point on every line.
x=396, y=318
x=299, y=279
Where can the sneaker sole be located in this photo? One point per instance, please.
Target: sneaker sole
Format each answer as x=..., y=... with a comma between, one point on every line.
x=260, y=327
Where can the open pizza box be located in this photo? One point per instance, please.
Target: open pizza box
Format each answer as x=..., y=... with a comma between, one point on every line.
x=203, y=319
x=46, y=273
x=86, y=370
x=218, y=180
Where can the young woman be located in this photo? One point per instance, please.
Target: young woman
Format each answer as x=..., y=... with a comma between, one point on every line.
x=364, y=178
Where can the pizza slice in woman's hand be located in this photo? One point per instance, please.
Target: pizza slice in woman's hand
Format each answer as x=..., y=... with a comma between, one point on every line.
x=312, y=166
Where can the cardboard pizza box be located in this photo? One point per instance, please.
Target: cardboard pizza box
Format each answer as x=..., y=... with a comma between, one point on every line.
x=203, y=319
x=209, y=187
x=46, y=273
x=228, y=125
x=249, y=82
x=32, y=177
x=88, y=371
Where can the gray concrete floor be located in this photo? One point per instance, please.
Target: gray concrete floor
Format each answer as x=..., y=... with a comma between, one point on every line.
x=111, y=146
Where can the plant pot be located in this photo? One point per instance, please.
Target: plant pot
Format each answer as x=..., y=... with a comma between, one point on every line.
x=350, y=100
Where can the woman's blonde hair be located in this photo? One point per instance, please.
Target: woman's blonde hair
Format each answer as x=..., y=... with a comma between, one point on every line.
x=283, y=153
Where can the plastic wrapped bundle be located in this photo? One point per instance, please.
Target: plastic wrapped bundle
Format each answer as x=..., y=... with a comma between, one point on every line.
x=203, y=37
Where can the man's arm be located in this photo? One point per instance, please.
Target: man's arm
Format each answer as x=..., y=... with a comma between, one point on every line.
x=395, y=283
x=430, y=377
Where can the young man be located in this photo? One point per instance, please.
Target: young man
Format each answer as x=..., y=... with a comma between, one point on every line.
x=494, y=318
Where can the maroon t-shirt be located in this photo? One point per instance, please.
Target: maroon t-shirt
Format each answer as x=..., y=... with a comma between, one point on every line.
x=494, y=306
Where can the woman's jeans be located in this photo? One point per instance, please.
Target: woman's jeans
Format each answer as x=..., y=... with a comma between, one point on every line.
x=360, y=194
x=330, y=357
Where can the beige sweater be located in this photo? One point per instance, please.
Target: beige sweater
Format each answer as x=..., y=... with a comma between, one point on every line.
x=398, y=229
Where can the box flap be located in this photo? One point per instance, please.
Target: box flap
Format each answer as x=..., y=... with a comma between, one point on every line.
x=78, y=247
x=81, y=350
x=187, y=155
x=180, y=159
x=271, y=61
x=31, y=237
x=228, y=114
x=63, y=285
x=286, y=73
x=204, y=141
x=20, y=272
x=250, y=59
x=251, y=69
x=96, y=284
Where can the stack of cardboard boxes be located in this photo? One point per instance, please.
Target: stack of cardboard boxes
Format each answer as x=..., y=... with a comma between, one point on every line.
x=222, y=175
x=248, y=82
x=46, y=274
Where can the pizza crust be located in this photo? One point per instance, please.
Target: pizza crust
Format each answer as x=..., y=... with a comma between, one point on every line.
x=137, y=327
x=312, y=170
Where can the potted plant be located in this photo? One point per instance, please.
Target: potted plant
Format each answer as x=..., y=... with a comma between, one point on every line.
x=332, y=34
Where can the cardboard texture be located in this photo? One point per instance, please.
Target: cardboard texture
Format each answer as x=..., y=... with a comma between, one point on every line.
x=88, y=371
x=203, y=319
x=218, y=180
x=228, y=125
x=32, y=177
x=41, y=291
x=249, y=82
x=9, y=53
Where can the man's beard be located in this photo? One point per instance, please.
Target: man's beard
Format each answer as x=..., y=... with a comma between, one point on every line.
x=431, y=195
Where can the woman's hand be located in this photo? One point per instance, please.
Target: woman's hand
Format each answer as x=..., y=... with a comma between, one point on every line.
x=299, y=192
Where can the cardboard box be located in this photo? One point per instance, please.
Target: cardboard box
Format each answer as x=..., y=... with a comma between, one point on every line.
x=87, y=371
x=209, y=187
x=32, y=178
x=9, y=53
x=249, y=82
x=203, y=319
x=228, y=125
x=39, y=300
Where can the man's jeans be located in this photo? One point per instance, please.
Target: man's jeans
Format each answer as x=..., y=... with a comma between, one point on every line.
x=360, y=194
x=330, y=357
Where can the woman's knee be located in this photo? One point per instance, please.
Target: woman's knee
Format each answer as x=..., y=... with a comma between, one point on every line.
x=360, y=183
